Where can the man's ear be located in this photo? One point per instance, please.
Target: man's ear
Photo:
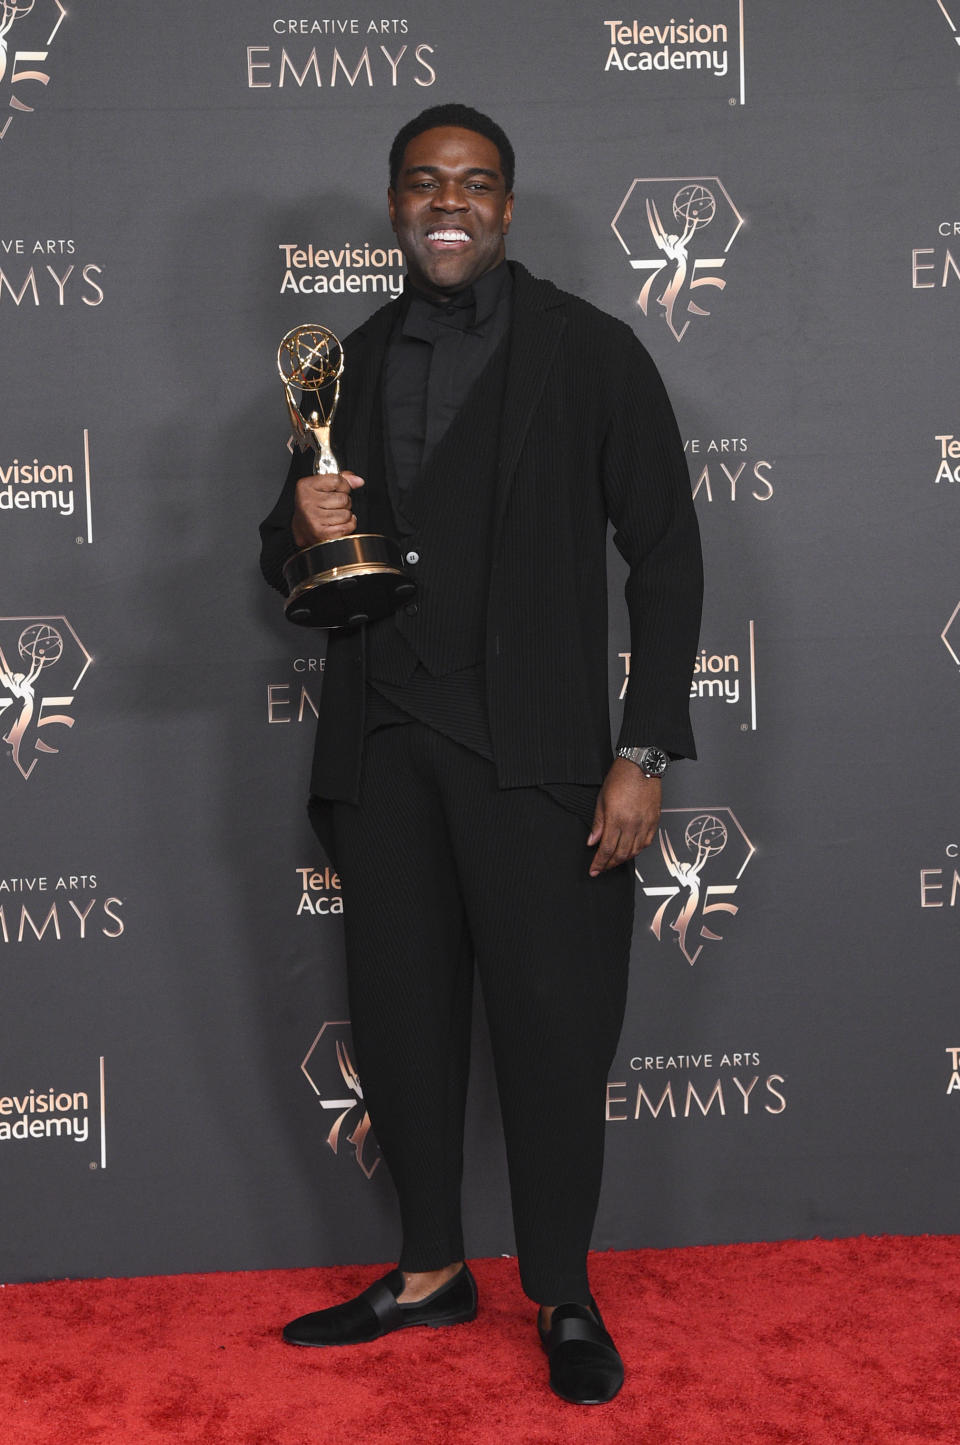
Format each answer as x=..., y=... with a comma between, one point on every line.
x=507, y=213
x=392, y=206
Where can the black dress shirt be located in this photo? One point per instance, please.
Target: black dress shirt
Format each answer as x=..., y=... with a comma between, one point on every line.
x=437, y=351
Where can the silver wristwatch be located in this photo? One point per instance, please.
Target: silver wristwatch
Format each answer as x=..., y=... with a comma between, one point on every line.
x=652, y=762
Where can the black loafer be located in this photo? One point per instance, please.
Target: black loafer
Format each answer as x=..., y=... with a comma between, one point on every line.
x=377, y=1312
x=585, y=1367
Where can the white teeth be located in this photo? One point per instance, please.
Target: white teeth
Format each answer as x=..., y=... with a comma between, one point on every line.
x=448, y=236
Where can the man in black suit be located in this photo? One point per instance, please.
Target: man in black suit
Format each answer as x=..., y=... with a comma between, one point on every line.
x=463, y=778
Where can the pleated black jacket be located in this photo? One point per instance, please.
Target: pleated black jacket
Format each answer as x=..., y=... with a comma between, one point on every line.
x=587, y=437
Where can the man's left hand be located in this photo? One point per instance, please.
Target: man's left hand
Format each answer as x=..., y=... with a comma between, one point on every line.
x=626, y=816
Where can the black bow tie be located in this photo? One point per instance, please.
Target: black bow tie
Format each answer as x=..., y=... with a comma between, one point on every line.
x=456, y=313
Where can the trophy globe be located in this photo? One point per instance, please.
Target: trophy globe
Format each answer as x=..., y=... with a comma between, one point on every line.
x=349, y=580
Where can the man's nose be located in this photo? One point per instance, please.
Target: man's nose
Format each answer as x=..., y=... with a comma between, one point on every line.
x=449, y=197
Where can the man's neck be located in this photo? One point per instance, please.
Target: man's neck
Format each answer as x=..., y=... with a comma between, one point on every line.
x=438, y=298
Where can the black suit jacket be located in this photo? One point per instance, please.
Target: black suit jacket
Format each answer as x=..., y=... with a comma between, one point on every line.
x=587, y=436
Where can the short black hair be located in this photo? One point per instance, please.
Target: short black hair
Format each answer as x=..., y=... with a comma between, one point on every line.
x=466, y=118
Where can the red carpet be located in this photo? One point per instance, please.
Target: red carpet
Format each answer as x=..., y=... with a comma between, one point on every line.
x=801, y=1343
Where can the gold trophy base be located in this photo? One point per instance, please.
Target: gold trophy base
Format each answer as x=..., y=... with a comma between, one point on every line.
x=346, y=582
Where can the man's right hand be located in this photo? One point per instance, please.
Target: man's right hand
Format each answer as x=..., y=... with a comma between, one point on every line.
x=322, y=510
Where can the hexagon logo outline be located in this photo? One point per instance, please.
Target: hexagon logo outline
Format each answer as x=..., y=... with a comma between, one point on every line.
x=954, y=616
x=40, y=647
x=37, y=23
x=644, y=225
x=688, y=899
x=951, y=13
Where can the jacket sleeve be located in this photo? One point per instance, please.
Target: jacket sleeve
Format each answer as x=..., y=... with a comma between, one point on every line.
x=648, y=498
x=276, y=539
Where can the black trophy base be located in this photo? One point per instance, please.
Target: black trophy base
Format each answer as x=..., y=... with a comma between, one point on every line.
x=346, y=582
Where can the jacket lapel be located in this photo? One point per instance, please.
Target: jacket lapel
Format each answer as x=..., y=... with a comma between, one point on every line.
x=360, y=420
x=537, y=325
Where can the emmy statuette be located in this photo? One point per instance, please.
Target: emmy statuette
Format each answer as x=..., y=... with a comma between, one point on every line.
x=349, y=580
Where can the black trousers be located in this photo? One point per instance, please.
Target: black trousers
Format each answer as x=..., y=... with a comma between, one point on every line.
x=440, y=869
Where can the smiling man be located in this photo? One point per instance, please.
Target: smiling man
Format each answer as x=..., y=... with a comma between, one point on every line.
x=464, y=781
x=450, y=241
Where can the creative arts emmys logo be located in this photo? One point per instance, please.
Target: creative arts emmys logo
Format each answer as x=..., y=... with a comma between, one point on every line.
x=724, y=470
x=296, y=702
x=331, y=1075
x=691, y=1084
x=21, y=68
x=691, y=842
x=31, y=648
x=692, y=222
x=343, y=53
x=940, y=886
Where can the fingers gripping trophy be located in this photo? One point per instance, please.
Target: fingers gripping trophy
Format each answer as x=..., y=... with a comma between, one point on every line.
x=348, y=580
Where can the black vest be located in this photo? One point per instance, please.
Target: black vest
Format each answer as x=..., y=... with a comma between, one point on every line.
x=446, y=520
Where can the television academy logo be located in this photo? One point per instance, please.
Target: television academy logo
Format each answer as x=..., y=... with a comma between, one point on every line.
x=37, y=23
x=689, y=844
x=951, y=635
x=328, y=1068
x=692, y=222
x=727, y=677
x=61, y=488
x=32, y=648
x=311, y=270
x=660, y=44
x=53, y=1113
x=953, y=1086
x=948, y=461
x=319, y=890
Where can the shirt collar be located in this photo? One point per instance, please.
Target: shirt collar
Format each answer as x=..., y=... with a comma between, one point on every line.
x=484, y=296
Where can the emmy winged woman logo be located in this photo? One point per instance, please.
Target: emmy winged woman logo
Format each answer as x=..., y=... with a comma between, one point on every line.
x=698, y=889
x=329, y=1070
x=677, y=231
x=42, y=663
x=37, y=23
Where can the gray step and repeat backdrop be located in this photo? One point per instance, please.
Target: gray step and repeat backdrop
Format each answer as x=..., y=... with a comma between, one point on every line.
x=769, y=195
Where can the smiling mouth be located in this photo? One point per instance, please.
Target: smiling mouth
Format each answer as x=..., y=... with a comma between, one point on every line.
x=448, y=237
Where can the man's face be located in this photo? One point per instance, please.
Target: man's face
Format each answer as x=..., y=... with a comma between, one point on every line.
x=450, y=209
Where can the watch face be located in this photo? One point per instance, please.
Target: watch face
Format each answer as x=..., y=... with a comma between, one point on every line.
x=654, y=762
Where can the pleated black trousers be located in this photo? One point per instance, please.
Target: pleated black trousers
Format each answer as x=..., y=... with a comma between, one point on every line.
x=441, y=869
